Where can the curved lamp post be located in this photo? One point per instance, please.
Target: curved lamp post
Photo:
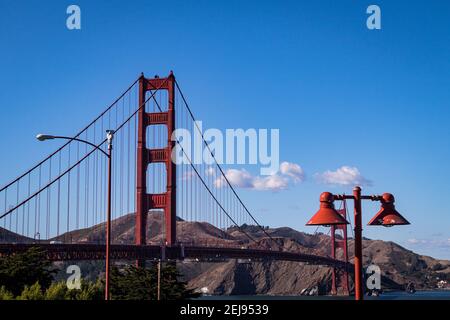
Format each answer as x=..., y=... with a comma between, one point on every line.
x=109, y=138
x=386, y=217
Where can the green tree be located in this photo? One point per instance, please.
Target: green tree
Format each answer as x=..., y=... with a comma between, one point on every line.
x=33, y=292
x=5, y=294
x=89, y=291
x=134, y=283
x=57, y=291
x=25, y=269
x=171, y=287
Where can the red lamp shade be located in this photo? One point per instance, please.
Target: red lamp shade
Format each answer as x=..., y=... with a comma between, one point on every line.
x=326, y=215
x=388, y=216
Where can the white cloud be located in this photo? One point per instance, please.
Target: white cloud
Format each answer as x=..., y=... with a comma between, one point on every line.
x=292, y=170
x=429, y=242
x=188, y=175
x=415, y=241
x=278, y=181
x=210, y=171
x=344, y=175
x=238, y=178
x=274, y=182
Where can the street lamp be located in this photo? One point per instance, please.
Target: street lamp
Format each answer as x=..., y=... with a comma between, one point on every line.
x=387, y=217
x=109, y=139
x=327, y=214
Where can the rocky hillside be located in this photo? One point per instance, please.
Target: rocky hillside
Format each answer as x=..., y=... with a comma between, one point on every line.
x=398, y=265
x=7, y=236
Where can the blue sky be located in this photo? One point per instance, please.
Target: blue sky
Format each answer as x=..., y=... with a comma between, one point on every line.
x=341, y=95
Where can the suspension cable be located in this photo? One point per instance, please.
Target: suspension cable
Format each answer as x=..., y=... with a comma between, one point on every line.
x=7, y=212
x=205, y=185
x=220, y=168
x=77, y=135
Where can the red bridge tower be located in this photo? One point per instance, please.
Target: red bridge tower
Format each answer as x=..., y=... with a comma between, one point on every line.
x=167, y=200
x=339, y=277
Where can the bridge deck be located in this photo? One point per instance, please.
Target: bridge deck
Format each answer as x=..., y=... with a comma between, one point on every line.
x=62, y=252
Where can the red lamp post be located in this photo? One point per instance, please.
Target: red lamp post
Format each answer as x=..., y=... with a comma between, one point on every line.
x=387, y=217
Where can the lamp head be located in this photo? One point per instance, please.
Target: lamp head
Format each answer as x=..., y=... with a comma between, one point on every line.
x=43, y=137
x=388, y=216
x=110, y=135
x=327, y=214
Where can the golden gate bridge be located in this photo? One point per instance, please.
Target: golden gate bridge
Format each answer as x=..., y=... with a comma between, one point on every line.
x=67, y=190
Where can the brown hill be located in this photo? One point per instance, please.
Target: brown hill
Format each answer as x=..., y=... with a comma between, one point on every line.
x=123, y=232
x=7, y=236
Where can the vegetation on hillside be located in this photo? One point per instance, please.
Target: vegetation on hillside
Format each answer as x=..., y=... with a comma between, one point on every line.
x=25, y=269
x=30, y=276
x=134, y=283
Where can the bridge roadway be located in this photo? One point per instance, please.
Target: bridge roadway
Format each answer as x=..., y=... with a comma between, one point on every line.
x=63, y=252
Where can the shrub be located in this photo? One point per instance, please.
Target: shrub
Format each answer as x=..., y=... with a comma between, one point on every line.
x=33, y=292
x=5, y=294
x=57, y=291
